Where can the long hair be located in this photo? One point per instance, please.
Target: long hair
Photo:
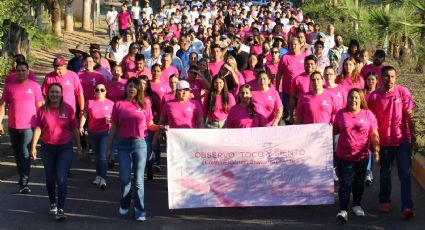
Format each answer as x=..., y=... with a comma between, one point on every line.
x=251, y=107
x=140, y=96
x=363, y=103
x=211, y=100
x=48, y=103
x=355, y=75
x=373, y=74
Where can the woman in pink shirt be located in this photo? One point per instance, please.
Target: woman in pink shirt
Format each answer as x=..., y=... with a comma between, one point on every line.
x=316, y=106
x=131, y=119
x=199, y=85
x=350, y=76
x=98, y=112
x=234, y=78
x=128, y=63
x=370, y=87
x=89, y=78
x=157, y=85
x=250, y=73
x=358, y=131
x=245, y=114
x=57, y=125
x=170, y=96
x=268, y=98
x=115, y=88
x=218, y=103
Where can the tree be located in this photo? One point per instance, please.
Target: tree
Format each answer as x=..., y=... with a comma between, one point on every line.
x=86, y=14
x=55, y=12
x=69, y=17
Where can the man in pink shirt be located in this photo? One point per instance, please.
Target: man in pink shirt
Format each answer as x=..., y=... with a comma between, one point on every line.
x=140, y=68
x=22, y=97
x=216, y=61
x=376, y=66
x=290, y=66
x=11, y=75
x=124, y=19
x=167, y=68
x=393, y=107
x=70, y=82
x=300, y=85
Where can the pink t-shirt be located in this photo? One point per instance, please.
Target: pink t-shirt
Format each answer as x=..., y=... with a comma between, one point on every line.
x=70, y=83
x=271, y=70
x=137, y=73
x=115, y=91
x=22, y=99
x=316, y=108
x=219, y=113
x=269, y=101
x=132, y=121
x=340, y=95
x=124, y=19
x=88, y=82
x=290, y=66
x=300, y=85
x=170, y=96
x=257, y=49
x=105, y=64
x=372, y=68
x=214, y=67
x=390, y=111
x=97, y=111
x=182, y=115
x=11, y=76
x=160, y=88
x=56, y=126
x=128, y=64
x=240, y=117
x=196, y=89
x=348, y=83
x=166, y=73
x=249, y=77
x=354, y=142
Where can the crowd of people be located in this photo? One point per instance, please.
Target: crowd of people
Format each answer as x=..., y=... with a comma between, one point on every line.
x=210, y=64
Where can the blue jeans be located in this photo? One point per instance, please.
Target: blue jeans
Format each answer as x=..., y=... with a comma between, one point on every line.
x=21, y=140
x=156, y=154
x=114, y=148
x=370, y=162
x=132, y=155
x=98, y=142
x=351, y=180
x=112, y=33
x=403, y=154
x=285, y=101
x=57, y=161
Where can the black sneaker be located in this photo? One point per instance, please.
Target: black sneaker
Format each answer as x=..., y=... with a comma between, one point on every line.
x=24, y=189
x=53, y=209
x=60, y=215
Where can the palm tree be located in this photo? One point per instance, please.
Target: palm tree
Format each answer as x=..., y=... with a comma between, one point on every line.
x=420, y=6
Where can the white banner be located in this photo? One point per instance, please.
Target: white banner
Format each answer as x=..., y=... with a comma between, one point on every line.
x=272, y=166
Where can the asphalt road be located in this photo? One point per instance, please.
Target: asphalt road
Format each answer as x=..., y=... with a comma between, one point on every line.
x=90, y=208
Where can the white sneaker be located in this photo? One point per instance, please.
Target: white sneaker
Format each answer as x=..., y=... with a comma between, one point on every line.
x=369, y=178
x=358, y=211
x=96, y=180
x=102, y=183
x=123, y=211
x=335, y=176
x=342, y=216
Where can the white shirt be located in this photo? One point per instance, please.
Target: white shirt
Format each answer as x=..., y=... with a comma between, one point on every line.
x=119, y=54
x=111, y=16
x=135, y=12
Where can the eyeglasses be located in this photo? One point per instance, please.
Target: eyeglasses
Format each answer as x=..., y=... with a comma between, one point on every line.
x=97, y=90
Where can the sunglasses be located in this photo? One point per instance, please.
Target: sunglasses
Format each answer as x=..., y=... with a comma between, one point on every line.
x=97, y=90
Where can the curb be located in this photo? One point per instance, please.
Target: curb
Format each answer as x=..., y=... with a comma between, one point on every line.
x=418, y=169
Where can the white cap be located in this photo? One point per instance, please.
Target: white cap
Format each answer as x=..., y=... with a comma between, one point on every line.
x=183, y=85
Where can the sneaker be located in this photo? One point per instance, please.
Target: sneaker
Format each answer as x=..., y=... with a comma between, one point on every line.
x=123, y=211
x=141, y=218
x=407, y=214
x=342, y=216
x=60, y=215
x=24, y=189
x=384, y=207
x=102, y=183
x=96, y=180
x=335, y=176
x=369, y=178
x=358, y=211
x=53, y=209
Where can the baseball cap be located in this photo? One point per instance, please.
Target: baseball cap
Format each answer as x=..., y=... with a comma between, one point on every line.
x=59, y=61
x=183, y=85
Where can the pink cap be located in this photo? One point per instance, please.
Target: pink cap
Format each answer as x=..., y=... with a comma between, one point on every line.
x=59, y=61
